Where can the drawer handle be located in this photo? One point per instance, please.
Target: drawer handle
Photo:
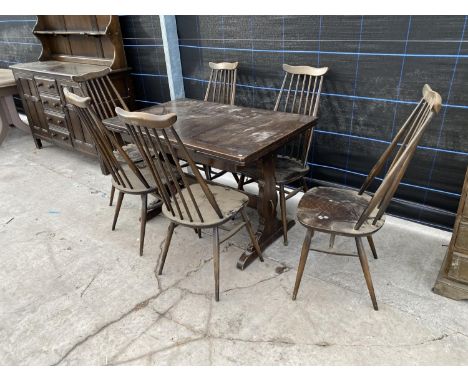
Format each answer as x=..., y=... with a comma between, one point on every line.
x=49, y=119
x=45, y=102
x=60, y=123
x=56, y=104
x=51, y=86
x=64, y=138
x=39, y=84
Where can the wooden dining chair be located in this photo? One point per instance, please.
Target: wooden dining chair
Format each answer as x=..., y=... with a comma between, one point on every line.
x=222, y=82
x=300, y=94
x=128, y=177
x=346, y=212
x=104, y=99
x=221, y=89
x=198, y=205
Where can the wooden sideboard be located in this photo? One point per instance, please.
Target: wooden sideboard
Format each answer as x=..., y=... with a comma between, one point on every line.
x=452, y=281
x=74, y=49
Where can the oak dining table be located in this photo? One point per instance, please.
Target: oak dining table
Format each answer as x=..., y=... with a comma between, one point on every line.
x=229, y=137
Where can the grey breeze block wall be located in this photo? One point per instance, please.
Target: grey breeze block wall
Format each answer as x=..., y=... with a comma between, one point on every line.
x=378, y=65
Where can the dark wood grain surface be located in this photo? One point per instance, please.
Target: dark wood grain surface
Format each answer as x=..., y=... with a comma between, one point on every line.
x=237, y=134
x=336, y=211
x=59, y=68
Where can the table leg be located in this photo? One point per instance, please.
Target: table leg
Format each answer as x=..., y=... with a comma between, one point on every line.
x=269, y=227
x=4, y=122
x=15, y=119
x=9, y=117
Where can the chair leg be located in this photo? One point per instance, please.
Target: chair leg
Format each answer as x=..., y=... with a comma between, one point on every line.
x=207, y=171
x=216, y=261
x=251, y=233
x=117, y=209
x=144, y=213
x=170, y=231
x=365, y=269
x=112, y=196
x=284, y=220
x=235, y=176
x=332, y=240
x=240, y=184
x=302, y=261
x=304, y=185
x=372, y=246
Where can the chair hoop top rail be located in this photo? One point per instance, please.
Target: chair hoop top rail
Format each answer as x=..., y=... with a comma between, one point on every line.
x=75, y=99
x=183, y=204
x=432, y=97
x=223, y=65
x=154, y=121
x=305, y=70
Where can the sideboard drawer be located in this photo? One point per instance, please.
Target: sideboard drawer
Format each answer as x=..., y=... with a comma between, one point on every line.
x=55, y=119
x=51, y=102
x=461, y=243
x=61, y=136
x=43, y=132
x=46, y=85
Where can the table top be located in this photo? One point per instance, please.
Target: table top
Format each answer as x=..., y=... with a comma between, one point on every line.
x=7, y=79
x=233, y=133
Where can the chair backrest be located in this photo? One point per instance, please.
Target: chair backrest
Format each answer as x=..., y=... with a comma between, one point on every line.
x=300, y=94
x=298, y=88
x=103, y=93
x=222, y=83
x=105, y=142
x=155, y=133
x=403, y=146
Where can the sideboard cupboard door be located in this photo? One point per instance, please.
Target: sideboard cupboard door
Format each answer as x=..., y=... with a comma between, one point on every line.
x=33, y=107
x=82, y=140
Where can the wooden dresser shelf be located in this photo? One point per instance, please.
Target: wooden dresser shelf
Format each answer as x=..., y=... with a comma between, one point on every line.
x=75, y=49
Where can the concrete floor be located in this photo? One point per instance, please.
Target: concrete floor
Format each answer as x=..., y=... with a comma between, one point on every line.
x=75, y=293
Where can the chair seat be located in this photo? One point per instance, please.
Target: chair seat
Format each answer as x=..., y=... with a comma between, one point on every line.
x=230, y=202
x=287, y=170
x=132, y=152
x=336, y=210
